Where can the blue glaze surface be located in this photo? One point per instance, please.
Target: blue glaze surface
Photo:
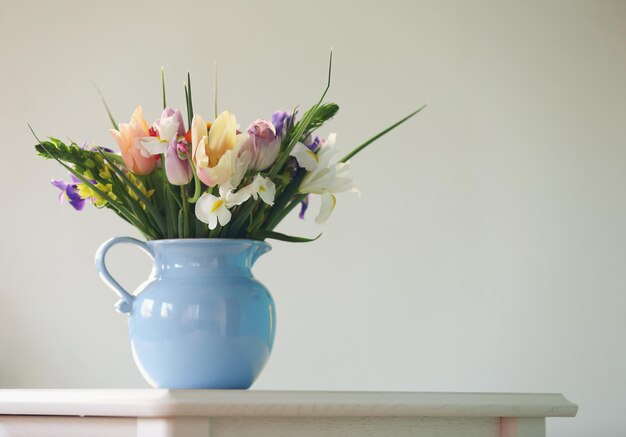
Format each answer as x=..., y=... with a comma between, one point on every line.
x=201, y=320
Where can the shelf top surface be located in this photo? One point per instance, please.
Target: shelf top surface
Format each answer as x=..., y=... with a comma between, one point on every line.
x=222, y=403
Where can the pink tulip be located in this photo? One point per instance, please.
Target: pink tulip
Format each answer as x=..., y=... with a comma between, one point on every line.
x=177, y=167
x=127, y=137
x=263, y=145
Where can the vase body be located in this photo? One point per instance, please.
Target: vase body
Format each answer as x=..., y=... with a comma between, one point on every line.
x=202, y=320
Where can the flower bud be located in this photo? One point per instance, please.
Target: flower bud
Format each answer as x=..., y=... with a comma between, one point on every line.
x=263, y=145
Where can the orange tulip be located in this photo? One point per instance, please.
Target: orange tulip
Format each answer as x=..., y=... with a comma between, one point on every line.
x=127, y=137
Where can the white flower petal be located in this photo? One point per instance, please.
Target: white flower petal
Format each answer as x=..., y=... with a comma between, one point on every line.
x=343, y=180
x=326, y=208
x=234, y=198
x=223, y=215
x=168, y=128
x=306, y=157
x=204, y=206
x=151, y=146
x=212, y=222
x=211, y=210
x=243, y=194
x=327, y=150
x=318, y=181
x=267, y=191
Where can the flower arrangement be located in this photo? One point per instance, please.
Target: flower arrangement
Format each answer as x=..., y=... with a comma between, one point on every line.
x=209, y=179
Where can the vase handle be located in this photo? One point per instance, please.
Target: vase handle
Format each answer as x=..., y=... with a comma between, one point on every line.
x=125, y=304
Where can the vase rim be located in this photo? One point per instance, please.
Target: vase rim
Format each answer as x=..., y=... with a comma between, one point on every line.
x=206, y=240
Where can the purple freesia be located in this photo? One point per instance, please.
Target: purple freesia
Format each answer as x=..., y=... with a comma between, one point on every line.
x=282, y=122
x=69, y=190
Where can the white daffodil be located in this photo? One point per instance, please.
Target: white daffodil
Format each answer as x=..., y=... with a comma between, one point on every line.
x=211, y=209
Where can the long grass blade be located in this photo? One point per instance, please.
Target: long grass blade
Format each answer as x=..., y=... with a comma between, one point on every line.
x=163, y=86
x=262, y=235
x=215, y=89
x=380, y=134
x=106, y=107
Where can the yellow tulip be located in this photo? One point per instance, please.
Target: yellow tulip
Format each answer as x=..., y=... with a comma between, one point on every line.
x=214, y=149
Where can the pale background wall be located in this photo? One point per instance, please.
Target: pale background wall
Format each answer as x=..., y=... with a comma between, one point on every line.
x=486, y=252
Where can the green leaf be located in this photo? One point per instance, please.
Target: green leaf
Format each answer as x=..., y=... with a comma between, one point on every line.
x=262, y=235
x=106, y=107
x=119, y=207
x=323, y=113
x=380, y=134
x=189, y=114
x=285, y=202
x=190, y=97
x=56, y=149
x=149, y=206
x=163, y=86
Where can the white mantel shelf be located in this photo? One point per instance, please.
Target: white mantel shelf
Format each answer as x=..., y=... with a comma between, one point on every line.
x=221, y=413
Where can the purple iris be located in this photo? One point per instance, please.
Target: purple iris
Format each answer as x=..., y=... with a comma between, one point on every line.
x=303, y=206
x=69, y=190
x=314, y=144
x=282, y=121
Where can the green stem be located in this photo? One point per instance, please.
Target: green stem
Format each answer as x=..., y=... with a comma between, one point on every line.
x=279, y=217
x=197, y=184
x=276, y=213
x=149, y=206
x=185, y=211
x=170, y=215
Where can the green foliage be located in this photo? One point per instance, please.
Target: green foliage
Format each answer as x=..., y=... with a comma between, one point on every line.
x=320, y=115
x=161, y=210
x=262, y=235
x=72, y=154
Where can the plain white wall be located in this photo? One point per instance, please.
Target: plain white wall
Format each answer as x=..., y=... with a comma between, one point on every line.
x=487, y=250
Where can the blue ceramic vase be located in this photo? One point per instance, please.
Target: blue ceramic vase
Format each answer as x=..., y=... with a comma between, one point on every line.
x=201, y=320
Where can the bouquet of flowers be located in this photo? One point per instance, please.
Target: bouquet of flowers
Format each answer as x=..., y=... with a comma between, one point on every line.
x=209, y=179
